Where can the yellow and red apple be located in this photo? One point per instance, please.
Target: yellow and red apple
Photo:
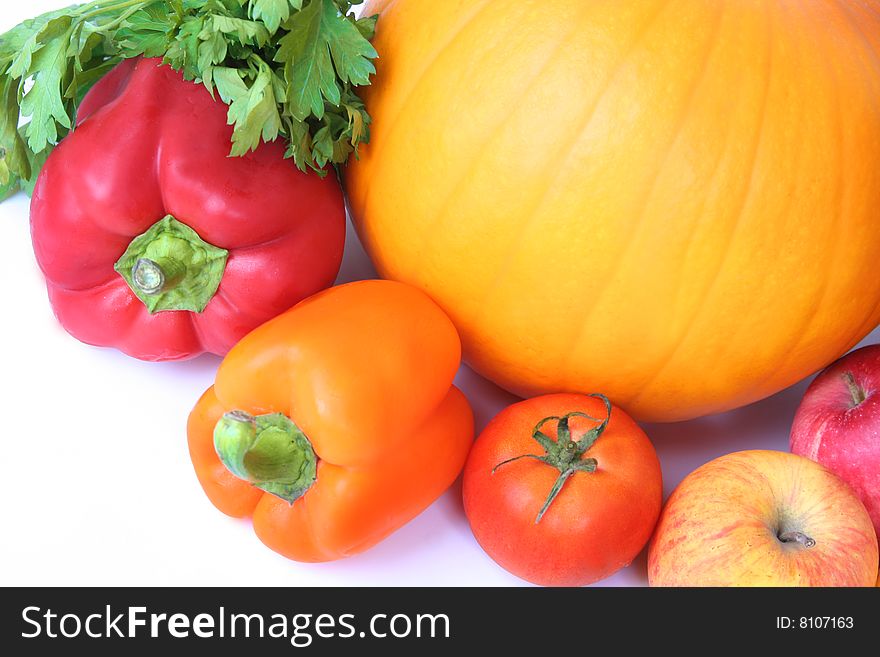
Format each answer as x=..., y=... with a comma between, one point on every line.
x=838, y=424
x=763, y=518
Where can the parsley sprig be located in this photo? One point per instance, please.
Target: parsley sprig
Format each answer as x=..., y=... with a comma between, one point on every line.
x=287, y=68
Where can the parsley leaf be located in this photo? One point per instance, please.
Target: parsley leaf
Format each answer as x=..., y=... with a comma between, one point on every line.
x=14, y=162
x=272, y=12
x=315, y=36
x=252, y=109
x=147, y=32
x=286, y=68
x=43, y=102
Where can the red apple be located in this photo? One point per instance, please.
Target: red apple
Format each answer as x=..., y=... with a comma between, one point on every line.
x=762, y=518
x=838, y=424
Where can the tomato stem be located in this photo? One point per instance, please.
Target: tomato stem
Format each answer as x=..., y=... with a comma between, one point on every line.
x=565, y=454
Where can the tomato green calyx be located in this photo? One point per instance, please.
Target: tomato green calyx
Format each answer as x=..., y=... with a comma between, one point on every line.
x=856, y=392
x=169, y=267
x=565, y=454
x=269, y=451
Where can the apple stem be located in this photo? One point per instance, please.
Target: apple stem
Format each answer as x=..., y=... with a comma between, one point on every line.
x=858, y=394
x=797, y=537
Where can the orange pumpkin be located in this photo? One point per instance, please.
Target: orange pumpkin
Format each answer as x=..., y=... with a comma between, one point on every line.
x=676, y=202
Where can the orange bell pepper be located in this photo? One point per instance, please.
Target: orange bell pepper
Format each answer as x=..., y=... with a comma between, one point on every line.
x=335, y=423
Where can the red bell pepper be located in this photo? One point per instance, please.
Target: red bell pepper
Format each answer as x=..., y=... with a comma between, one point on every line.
x=153, y=240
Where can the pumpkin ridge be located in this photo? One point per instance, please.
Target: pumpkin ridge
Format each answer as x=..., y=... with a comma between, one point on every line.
x=845, y=10
x=665, y=151
x=872, y=6
x=708, y=185
x=840, y=165
x=796, y=337
x=563, y=155
x=411, y=93
x=443, y=207
x=642, y=391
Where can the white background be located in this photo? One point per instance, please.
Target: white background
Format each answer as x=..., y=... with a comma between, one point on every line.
x=97, y=487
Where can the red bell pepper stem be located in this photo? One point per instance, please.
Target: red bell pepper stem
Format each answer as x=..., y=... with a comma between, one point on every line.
x=155, y=276
x=170, y=267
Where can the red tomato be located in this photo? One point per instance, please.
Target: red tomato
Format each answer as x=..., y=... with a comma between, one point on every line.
x=563, y=490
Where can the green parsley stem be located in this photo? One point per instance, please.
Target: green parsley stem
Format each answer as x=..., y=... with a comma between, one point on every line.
x=99, y=7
